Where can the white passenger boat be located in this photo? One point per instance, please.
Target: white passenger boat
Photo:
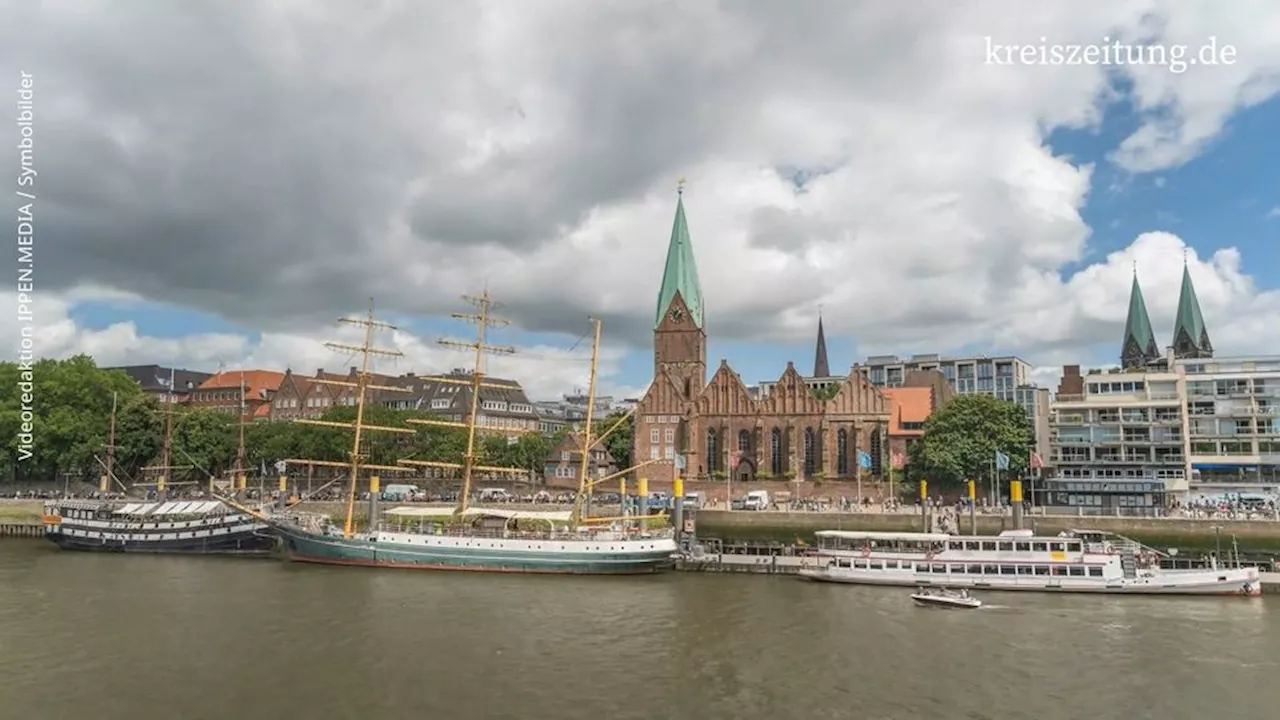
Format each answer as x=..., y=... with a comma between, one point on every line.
x=946, y=599
x=1075, y=561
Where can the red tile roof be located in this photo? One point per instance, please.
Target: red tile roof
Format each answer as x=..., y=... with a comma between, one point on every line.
x=908, y=405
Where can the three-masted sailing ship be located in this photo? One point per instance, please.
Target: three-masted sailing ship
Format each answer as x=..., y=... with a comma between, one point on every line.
x=154, y=525
x=468, y=537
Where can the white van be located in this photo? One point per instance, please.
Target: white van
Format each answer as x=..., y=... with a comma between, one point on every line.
x=400, y=493
x=756, y=500
x=495, y=495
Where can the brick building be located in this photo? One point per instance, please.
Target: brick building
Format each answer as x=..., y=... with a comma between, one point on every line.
x=714, y=429
x=223, y=392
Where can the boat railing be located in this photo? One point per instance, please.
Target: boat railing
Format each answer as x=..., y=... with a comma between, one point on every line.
x=604, y=534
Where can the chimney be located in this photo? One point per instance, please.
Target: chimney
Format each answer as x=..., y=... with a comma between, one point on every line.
x=354, y=369
x=319, y=372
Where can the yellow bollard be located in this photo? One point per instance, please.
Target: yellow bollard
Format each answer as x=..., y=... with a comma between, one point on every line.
x=375, y=483
x=973, y=491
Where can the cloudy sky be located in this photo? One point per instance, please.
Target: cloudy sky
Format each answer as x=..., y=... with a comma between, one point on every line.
x=218, y=181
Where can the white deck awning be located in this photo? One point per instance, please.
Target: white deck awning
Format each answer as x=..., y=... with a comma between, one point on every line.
x=407, y=511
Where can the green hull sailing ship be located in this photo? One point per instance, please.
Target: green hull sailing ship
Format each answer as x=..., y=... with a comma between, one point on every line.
x=466, y=537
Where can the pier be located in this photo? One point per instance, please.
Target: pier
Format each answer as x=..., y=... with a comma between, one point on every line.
x=21, y=530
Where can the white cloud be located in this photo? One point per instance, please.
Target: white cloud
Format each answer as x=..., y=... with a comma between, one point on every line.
x=535, y=146
x=1274, y=212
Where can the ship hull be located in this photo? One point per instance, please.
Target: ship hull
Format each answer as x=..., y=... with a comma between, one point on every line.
x=422, y=552
x=245, y=543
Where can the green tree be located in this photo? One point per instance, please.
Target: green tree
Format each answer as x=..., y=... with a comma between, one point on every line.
x=961, y=439
x=619, y=441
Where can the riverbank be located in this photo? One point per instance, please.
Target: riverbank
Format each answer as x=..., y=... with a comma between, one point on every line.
x=1184, y=533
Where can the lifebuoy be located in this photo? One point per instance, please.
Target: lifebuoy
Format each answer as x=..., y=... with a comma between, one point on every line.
x=866, y=552
x=928, y=555
x=1112, y=551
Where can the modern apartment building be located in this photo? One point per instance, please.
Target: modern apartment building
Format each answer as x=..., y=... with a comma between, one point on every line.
x=1233, y=411
x=1117, y=442
x=1007, y=377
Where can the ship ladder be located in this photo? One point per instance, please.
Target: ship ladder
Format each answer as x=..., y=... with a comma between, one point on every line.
x=1127, y=563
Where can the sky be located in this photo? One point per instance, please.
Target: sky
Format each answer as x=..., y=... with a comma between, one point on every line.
x=218, y=182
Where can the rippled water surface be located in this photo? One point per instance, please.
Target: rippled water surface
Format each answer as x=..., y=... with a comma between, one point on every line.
x=103, y=637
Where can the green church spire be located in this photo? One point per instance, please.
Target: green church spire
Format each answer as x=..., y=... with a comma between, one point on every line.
x=1139, y=347
x=1190, y=336
x=681, y=273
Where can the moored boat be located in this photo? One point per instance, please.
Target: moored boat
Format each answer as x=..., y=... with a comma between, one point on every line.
x=1073, y=562
x=474, y=538
x=203, y=527
x=946, y=599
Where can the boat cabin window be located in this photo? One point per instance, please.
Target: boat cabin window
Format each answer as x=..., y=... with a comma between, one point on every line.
x=1042, y=569
x=990, y=569
x=940, y=568
x=923, y=568
x=1006, y=547
x=877, y=565
x=1007, y=570
x=1073, y=547
x=989, y=545
x=955, y=545
x=1023, y=546
x=1095, y=572
x=1077, y=571
x=1040, y=547
x=971, y=545
x=975, y=570
x=1024, y=569
x=1055, y=547
x=890, y=564
x=957, y=570
x=1059, y=570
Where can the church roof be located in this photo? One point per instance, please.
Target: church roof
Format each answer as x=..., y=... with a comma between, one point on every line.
x=1139, y=344
x=1190, y=336
x=681, y=273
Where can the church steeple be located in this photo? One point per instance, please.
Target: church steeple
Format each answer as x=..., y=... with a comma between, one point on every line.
x=1190, y=336
x=820, y=367
x=681, y=273
x=1138, y=349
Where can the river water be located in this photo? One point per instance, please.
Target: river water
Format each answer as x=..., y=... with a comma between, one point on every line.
x=158, y=638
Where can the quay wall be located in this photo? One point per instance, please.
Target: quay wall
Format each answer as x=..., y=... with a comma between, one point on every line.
x=1159, y=532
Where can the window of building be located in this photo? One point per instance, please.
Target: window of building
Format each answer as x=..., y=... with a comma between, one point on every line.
x=775, y=451
x=842, y=452
x=713, y=450
x=810, y=452
x=744, y=442
x=653, y=435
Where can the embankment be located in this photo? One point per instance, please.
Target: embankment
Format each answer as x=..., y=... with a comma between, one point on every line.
x=1263, y=536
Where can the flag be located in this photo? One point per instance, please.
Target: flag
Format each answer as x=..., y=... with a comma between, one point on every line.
x=864, y=459
x=1036, y=462
x=897, y=460
x=1002, y=461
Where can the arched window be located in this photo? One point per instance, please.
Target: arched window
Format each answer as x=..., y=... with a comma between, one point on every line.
x=876, y=452
x=744, y=442
x=775, y=451
x=713, y=450
x=842, y=452
x=810, y=453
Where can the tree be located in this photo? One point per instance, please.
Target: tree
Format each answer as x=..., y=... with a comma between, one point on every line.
x=961, y=438
x=619, y=441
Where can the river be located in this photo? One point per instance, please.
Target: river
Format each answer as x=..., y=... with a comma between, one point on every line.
x=157, y=638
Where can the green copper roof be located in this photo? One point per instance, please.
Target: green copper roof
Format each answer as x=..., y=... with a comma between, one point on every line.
x=681, y=273
x=1139, y=346
x=1190, y=337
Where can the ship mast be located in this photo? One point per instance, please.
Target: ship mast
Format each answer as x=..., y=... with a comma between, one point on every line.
x=587, y=443
x=361, y=386
x=484, y=319
x=162, y=481
x=238, y=471
x=111, y=440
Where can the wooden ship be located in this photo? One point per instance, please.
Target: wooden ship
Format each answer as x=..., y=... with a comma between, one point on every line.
x=469, y=537
x=154, y=524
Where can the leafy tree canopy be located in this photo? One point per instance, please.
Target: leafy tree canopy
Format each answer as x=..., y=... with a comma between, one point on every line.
x=961, y=439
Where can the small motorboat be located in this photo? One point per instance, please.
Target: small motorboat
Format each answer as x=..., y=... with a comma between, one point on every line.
x=946, y=599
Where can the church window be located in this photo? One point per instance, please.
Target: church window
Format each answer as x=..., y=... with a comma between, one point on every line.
x=842, y=452
x=810, y=452
x=688, y=388
x=713, y=450
x=775, y=451
x=876, y=452
x=744, y=442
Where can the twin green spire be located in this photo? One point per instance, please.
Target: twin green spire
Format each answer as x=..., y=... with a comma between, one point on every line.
x=1190, y=337
x=681, y=273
